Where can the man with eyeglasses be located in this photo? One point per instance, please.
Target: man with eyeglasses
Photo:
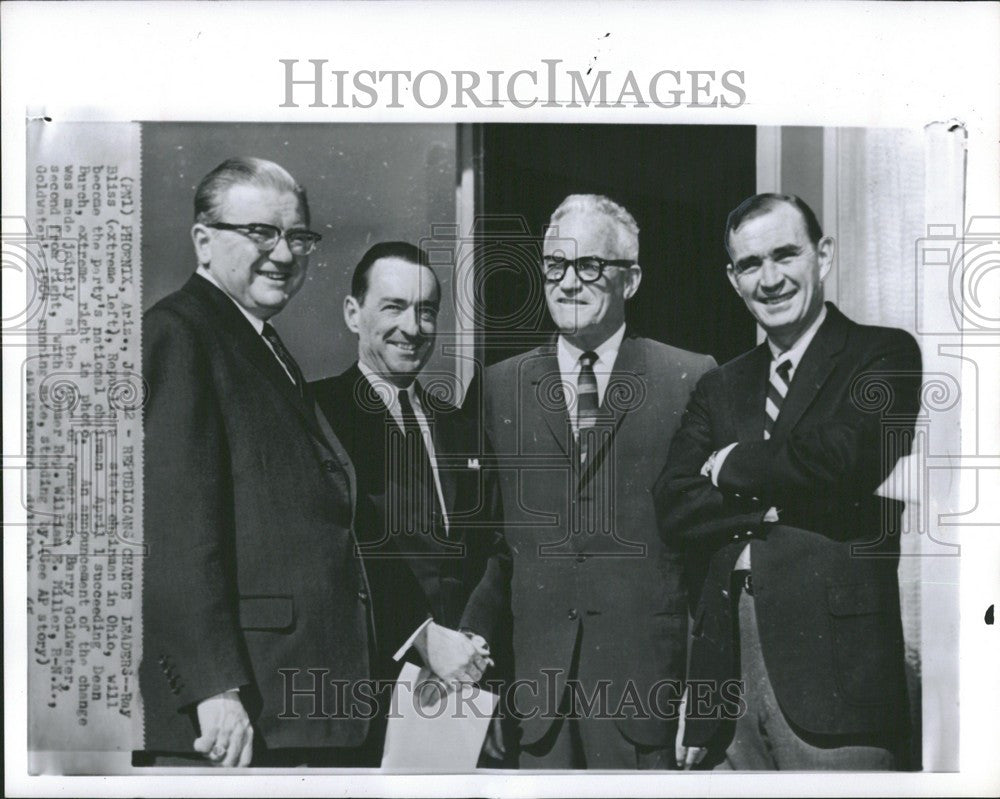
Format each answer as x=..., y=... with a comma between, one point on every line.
x=254, y=602
x=580, y=427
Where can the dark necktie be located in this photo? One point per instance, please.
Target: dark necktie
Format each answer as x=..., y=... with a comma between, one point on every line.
x=587, y=404
x=284, y=357
x=777, y=388
x=419, y=502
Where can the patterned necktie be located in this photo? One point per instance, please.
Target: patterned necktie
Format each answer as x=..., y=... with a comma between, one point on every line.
x=776, y=390
x=587, y=404
x=284, y=357
x=420, y=505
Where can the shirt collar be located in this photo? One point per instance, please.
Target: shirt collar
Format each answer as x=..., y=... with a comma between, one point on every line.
x=258, y=324
x=386, y=390
x=798, y=349
x=607, y=352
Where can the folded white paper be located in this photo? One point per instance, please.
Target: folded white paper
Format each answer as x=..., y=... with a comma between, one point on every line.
x=430, y=730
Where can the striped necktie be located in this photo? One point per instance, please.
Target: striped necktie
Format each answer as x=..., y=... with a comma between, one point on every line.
x=587, y=403
x=776, y=390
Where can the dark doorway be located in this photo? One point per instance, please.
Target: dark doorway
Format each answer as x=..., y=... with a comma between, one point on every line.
x=679, y=182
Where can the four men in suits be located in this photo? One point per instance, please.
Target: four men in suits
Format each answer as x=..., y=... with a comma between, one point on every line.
x=580, y=427
x=303, y=533
x=770, y=486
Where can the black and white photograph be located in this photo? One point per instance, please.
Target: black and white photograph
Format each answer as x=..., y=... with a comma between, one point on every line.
x=588, y=423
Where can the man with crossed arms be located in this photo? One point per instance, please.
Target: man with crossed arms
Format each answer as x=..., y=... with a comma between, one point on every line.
x=770, y=486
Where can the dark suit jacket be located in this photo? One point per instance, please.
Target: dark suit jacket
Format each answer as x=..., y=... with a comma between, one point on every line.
x=411, y=576
x=248, y=506
x=824, y=576
x=622, y=585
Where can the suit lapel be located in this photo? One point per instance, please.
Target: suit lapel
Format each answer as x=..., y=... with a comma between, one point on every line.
x=255, y=350
x=624, y=392
x=546, y=397
x=747, y=392
x=370, y=421
x=815, y=367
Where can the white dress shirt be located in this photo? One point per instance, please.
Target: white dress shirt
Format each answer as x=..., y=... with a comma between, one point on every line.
x=388, y=393
x=568, y=356
x=258, y=324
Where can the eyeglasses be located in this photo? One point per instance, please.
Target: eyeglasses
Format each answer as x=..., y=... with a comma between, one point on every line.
x=589, y=268
x=266, y=237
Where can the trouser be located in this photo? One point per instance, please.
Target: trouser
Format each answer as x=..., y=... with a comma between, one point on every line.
x=588, y=742
x=764, y=739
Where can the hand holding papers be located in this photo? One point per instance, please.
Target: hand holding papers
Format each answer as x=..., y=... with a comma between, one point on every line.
x=433, y=729
x=452, y=656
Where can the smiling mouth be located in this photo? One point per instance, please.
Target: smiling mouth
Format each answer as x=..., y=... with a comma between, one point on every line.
x=278, y=277
x=409, y=349
x=777, y=299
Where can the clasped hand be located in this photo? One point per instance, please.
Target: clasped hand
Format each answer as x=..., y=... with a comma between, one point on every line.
x=453, y=657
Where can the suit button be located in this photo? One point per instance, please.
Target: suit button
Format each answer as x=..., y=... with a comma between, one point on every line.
x=725, y=594
x=748, y=533
x=581, y=558
x=572, y=614
x=363, y=595
x=736, y=536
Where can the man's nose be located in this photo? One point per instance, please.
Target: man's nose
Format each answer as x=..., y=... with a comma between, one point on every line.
x=771, y=276
x=408, y=322
x=281, y=254
x=570, y=280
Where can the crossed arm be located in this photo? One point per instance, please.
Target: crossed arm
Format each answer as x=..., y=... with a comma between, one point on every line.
x=820, y=465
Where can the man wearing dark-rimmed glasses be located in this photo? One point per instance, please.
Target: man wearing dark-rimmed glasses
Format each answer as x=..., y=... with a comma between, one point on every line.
x=251, y=578
x=581, y=427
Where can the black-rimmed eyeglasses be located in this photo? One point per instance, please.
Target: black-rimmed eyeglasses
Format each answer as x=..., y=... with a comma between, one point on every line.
x=589, y=268
x=266, y=237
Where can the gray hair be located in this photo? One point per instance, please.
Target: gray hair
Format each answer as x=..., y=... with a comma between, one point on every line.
x=624, y=223
x=243, y=171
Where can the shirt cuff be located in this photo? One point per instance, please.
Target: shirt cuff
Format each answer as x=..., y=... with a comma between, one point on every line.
x=771, y=515
x=409, y=641
x=720, y=457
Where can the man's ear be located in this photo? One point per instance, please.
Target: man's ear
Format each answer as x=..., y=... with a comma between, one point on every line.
x=825, y=248
x=633, y=277
x=201, y=237
x=352, y=308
